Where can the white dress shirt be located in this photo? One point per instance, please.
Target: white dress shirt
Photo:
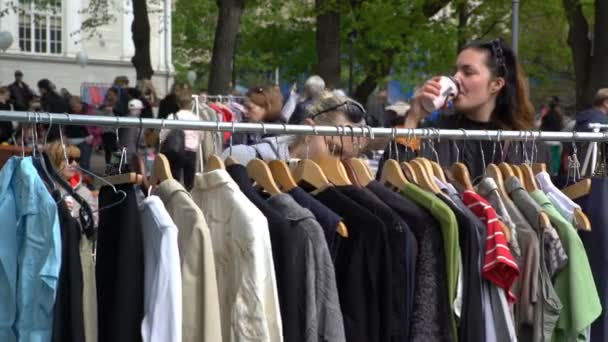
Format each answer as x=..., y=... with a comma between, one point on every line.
x=249, y=303
x=162, y=276
x=562, y=202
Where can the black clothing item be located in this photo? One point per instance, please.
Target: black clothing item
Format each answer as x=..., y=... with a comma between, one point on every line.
x=185, y=163
x=54, y=103
x=363, y=270
x=168, y=105
x=470, y=325
x=6, y=127
x=327, y=219
x=397, y=241
x=553, y=121
x=120, y=267
x=595, y=243
x=108, y=140
x=407, y=211
x=430, y=317
x=287, y=253
x=68, y=316
x=21, y=95
x=473, y=153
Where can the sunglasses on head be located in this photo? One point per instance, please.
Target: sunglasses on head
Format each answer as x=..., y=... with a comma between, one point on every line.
x=499, y=56
x=353, y=110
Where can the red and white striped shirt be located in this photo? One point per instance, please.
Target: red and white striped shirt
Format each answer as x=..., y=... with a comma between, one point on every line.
x=499, y=266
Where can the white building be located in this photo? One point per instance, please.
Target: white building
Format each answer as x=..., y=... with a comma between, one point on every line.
x=46, y=42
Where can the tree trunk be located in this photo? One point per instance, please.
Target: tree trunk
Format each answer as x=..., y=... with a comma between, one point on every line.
x=599, y=64
x=463, y=18
x=140, y=29
x=328, y=43
x=224, y=45
x=578, y=39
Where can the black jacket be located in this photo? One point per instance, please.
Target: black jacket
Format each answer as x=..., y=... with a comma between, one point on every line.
x=21, y=95
x=363, y=270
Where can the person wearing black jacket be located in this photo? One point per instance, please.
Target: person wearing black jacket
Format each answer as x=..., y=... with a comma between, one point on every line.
x=6, y=127
x=168, y=105
x=21, y=94
x=49, y=99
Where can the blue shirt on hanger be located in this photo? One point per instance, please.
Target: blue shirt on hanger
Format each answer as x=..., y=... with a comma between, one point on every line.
x=30, y=253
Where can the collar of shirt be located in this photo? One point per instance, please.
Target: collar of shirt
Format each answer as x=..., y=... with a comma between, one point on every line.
x=290, y=208
x=168, y=189
x=213, y=179
x=561, y=200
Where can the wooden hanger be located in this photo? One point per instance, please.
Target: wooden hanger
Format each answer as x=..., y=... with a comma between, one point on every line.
x=231, y=161
x=438, y=171
x=392, y=175
x=578, y=190
x=310, y=172
x=408, y=171
x=544, y=220
x=494, y=172
x=423, y=177
x=518, y=174
x=539, y=167
x=334, y=170
x=260, y=173
x=161, y=170
x=361, y=171
x=528, y=177
x=282, y=175
x=506, y=170
x=428, y=167
x=124, y=178
x=581, y=220
x=214, y=162
x=462, y=176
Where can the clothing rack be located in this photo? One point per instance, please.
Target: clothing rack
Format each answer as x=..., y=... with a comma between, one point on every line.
x=592, y=150
x=283, y=129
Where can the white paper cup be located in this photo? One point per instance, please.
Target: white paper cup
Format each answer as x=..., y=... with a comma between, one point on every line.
x=449, y=88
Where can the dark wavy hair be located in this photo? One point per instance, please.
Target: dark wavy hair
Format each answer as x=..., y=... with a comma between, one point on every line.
x=513, y=108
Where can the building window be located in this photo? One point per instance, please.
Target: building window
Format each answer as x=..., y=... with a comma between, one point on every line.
x=40, y=26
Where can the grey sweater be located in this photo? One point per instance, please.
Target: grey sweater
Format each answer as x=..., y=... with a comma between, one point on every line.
x=268, y=149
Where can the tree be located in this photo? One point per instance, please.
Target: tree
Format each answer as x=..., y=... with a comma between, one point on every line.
x=228, y=22
x=140, y=32
x=328, y=42
x=589, y=49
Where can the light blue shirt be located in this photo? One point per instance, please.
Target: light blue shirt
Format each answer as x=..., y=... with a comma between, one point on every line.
x=30, y=254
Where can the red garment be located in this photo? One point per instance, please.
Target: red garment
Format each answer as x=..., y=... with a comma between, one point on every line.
x=226, y=114
x=75, y=180
x=499, y=266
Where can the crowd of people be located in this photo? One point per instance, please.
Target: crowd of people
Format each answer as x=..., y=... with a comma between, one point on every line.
x=493, y=96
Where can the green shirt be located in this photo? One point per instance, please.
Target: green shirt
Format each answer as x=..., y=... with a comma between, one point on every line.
x=574, y=284
x=449, y=231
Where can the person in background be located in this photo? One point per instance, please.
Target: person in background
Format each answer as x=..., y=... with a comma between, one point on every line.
x=65, y=94
x=596, y=114
x=332, y=111
x=6, y=127
x=135, y=93
x=168, y=105
x=314, y=89
x=68, y=170
x=81, y=136
x=21, y=94
x=184, y=164
x=149, y=93
x=553, y=120
x=49, y=99
x=262, y=104
x=109, y=135
x=395, y=114
x=493, y=95
x=129, y=137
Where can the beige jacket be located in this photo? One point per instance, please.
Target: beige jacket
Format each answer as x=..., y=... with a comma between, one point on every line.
x=201, y=312
x=249, y=301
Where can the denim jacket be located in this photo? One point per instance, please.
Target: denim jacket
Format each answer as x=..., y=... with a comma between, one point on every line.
x=30, y=253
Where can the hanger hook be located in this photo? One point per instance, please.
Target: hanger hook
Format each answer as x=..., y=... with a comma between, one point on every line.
x=342, y=141
x=46, y=138
x=232, y=134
